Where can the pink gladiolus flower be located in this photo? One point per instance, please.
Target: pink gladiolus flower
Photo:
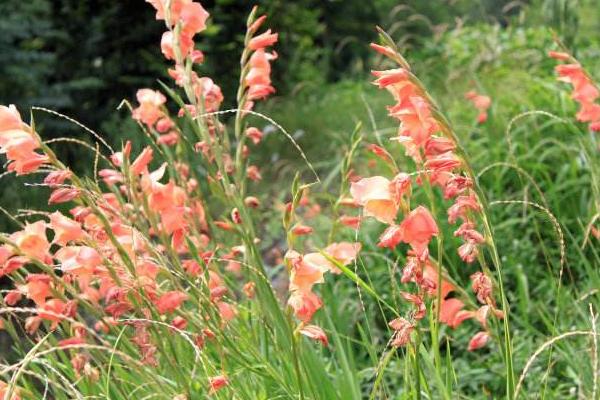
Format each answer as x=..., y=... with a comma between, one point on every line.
x=253, y=173
x=167, y=45
x=4, y=392
x=258, y=78
x=12, y=297
x=375, y=196
x=391, y=237
x=418, y=228
x=462, y=206
x=32, y=241
x=386, y=51
x=452, y=313
x=74, y=341
x=481, y=103
x=57, y=177
x=482, y=286
x=141, y=162
x=149, y=111
x=65, y=229
x=437, y=145
x=254, y=134
x=38, y=288
x=304, y=304
x=307, y=270
x=193, y=17
x=263, y=40
x=170, y=301
x=478, y=341
x=558, y=55
x=315, y=333
x=418, y=303
x=350, y=221
x=63, y=195
x=431, y=277
x=78, y=260
x=300, y=230
x=402, y=330
x=343, y=252
x=10, y=119
x=217, y=383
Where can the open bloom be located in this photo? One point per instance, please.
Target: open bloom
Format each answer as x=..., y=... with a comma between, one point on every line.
x=32, y=241
x=18, y=143
x=150, y=109
x=418, y=227
x=375, y=196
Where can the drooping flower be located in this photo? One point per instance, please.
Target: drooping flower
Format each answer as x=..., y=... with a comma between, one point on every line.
x=316, y=333
x=479, y=340
x=402, y=331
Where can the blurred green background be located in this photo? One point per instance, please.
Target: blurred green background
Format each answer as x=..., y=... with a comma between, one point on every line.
x=83, y=57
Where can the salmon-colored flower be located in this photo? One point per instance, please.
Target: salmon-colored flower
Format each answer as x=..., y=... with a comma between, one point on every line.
x=481, y=103
x=315, y=333
x=304, y=304
x=140, y=164
x=57, y=177
x=307, y=270
x=559, y=55
x=300, y=230
x=478, y=341
x=343, y=252
x=227, y=311
x=149, y=111
x=167, y=45
x=254, y=134
x=263, y=40
x=170, y=301
x=63, y=195
x=65, y=229
x=375, y=196
x=38, y=288
x=78, y=260
x=217, y=383
x=252, y=202
x=258, y=79
x=32, y=241
x=452, y=313
x=482, y=286
x=431, y=278
x=391, y=237
x=253, y=173
x=350, y=221
x=402, y=330
x=462, y=206
x=418, y=302
x=12, y=297
x=4, y=392
x=193, y=17
x=418, y=227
